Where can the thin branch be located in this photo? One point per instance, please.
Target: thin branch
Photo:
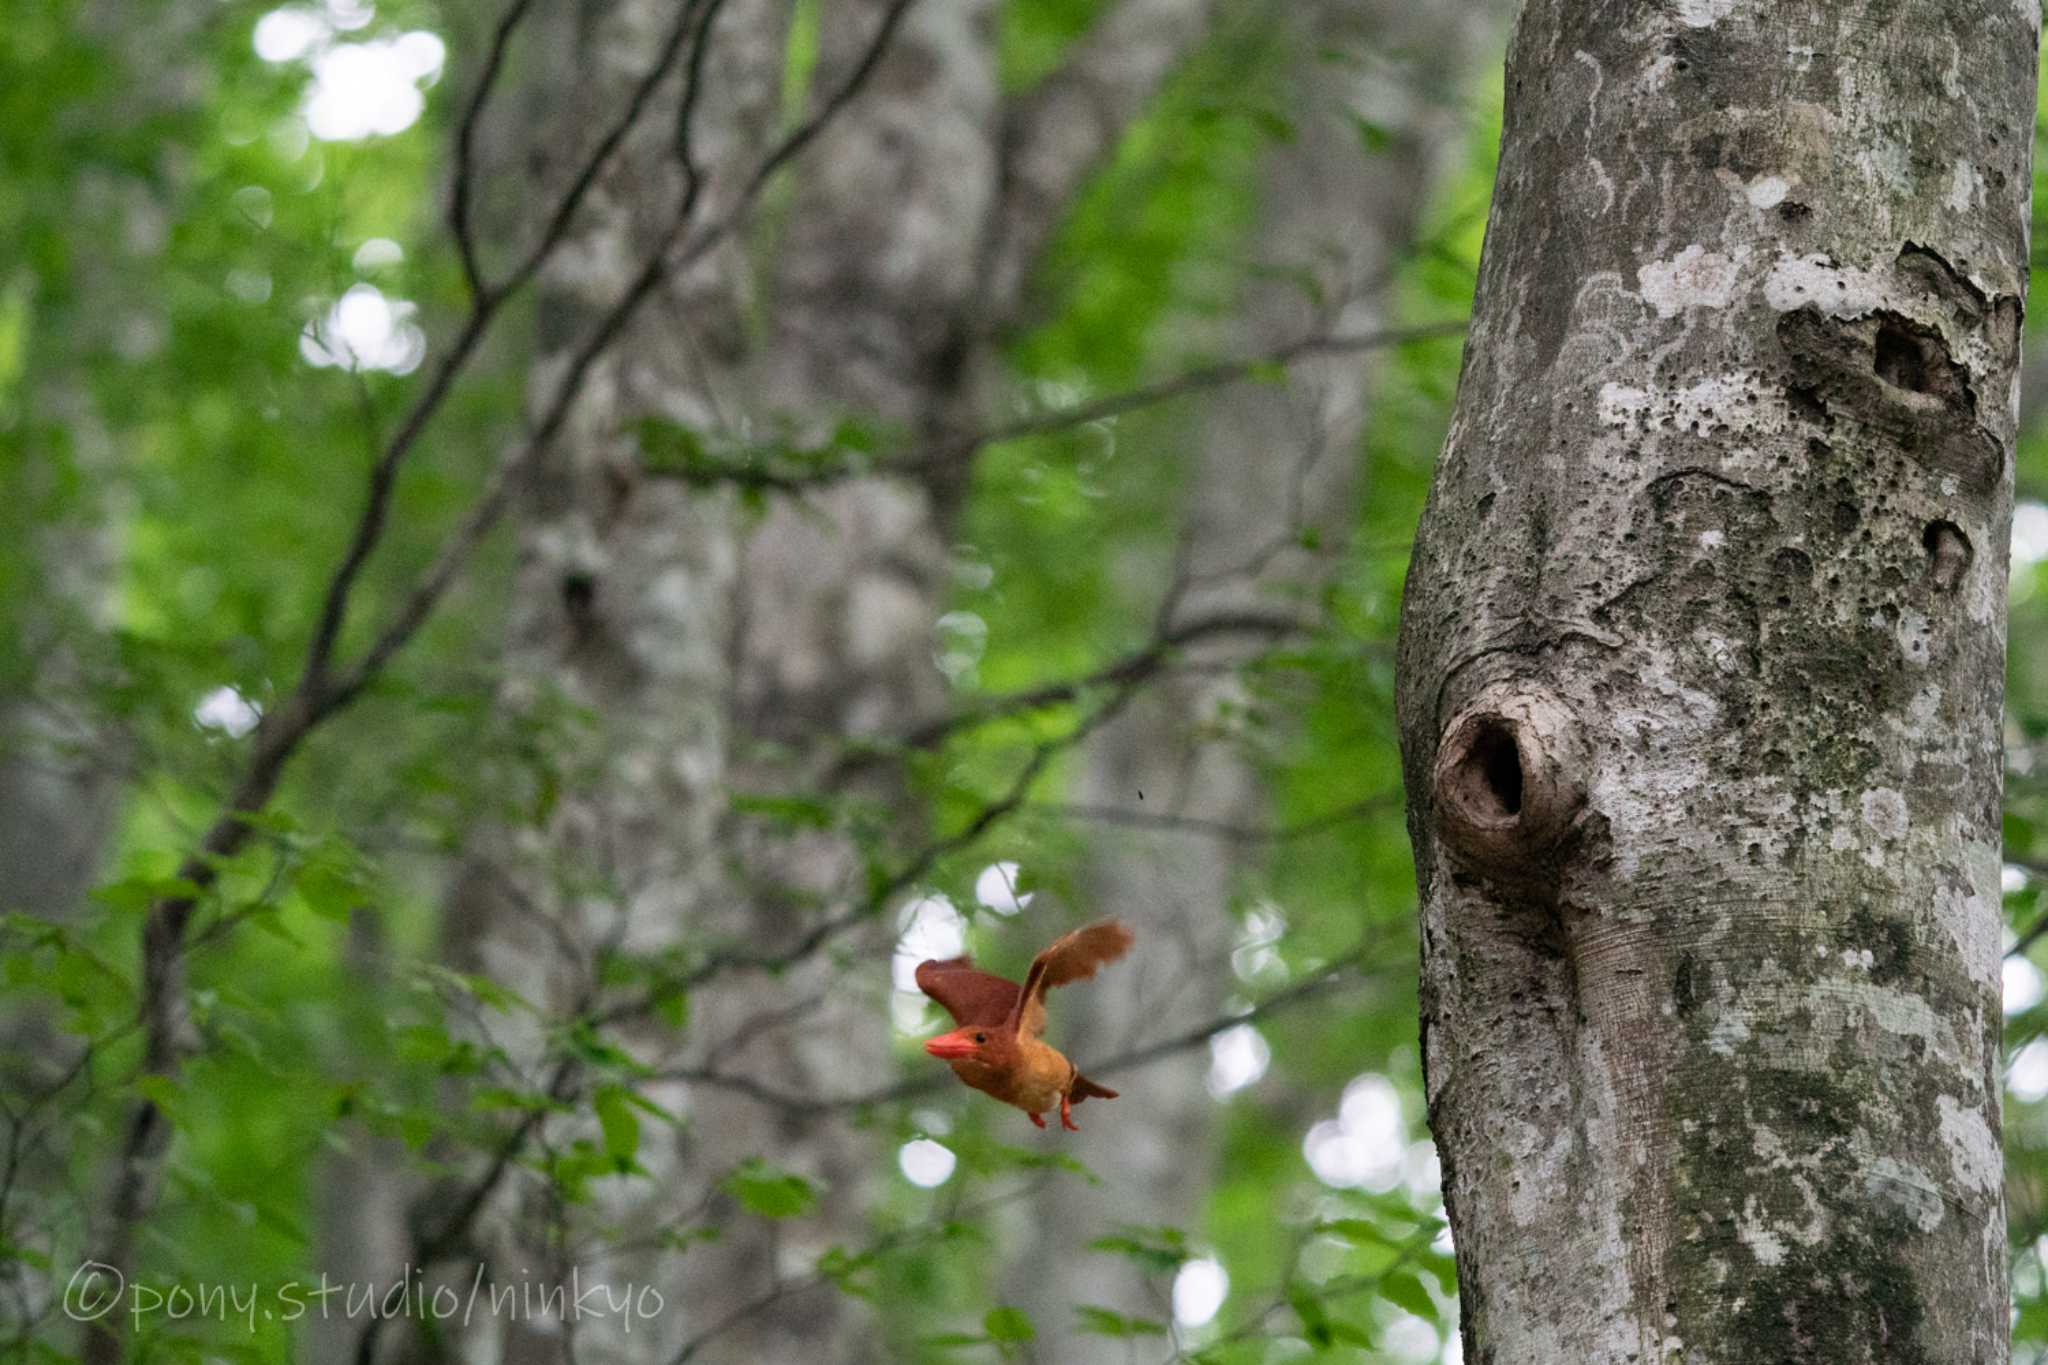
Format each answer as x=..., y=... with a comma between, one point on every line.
x=1342, y=1287
x=1216, y=375
x=490, y=505
x=431, y=1248
x=564, y=215
x=1138, y=666
x=485, y=303
x=1327, y=978
x=1223, y=829
x=867, y=907
x=461, y=190
x=947, y=452
x=784, y=1289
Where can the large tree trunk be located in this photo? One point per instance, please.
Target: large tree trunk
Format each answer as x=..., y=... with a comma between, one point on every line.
x=616, y=653
x=1701, y=669
x=1272, y=488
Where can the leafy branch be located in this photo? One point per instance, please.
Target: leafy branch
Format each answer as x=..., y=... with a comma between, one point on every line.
x=323, y=689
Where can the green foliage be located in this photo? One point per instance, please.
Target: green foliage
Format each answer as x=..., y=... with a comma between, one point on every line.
x=761, y=1188
x=1106, y=1322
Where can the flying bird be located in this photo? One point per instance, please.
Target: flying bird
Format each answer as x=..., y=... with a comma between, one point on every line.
x=998, y=1049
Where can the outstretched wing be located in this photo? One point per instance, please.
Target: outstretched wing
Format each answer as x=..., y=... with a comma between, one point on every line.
x=1071, y=957
x=969, y=994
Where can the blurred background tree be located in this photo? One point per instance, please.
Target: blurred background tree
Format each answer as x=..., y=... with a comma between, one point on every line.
x=862, y=481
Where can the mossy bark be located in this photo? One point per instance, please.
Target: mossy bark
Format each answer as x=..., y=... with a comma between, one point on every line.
x=1701, y=682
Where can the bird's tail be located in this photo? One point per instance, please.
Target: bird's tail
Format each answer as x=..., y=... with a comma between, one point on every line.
x=1084, y=1089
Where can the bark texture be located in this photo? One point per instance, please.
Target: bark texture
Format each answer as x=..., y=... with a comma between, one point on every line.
x=1701, y=675
x=616, y=652
x=1271, y=489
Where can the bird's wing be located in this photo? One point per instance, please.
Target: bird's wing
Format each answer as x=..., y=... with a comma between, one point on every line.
x=969, y=994
x=1071, y=957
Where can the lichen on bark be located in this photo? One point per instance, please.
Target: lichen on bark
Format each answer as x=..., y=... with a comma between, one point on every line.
x=1715, y=1076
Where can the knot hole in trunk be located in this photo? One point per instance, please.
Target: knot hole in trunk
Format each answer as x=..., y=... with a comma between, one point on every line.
x=1509, y=782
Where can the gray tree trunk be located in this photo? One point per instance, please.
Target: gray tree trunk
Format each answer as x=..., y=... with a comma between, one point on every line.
x=616, y=651
x=1272, y=488
x=708, y=649
x=1701, y=672
x=62, y=496
x=59, y=767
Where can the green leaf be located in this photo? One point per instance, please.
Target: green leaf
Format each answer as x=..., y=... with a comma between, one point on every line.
x=139, y=893
x=161, y=1091
x=770, y=1192
x=27, y=1255
x=674, y=1008
x=953, y=1341
x=1106, y=1322
x=1160, y=1250
x=1273, y=124
x=670, y=447
x=620, y=1124
x=856, y=436
x=1403, y=1290
x=1350, y=1333
x=1357, y=1231
x=796, y=812
x=1445, y=1268
x=1315, y=1322
x=1008, y=1324
x=492, y=1097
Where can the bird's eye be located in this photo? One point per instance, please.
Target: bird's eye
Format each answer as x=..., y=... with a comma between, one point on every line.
x=981, y=1037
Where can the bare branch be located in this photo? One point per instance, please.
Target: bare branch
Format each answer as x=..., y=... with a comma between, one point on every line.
x=484, y=513
x=1328, y=978
x=1138, y=666
x=945, y=453
x=462, y=187
x=432, y=1247
x=867, y=907
x=1222, y=829
x=485, y=302
x=571, y=202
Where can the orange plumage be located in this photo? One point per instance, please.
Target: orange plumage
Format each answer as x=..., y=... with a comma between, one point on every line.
x=997, y=1048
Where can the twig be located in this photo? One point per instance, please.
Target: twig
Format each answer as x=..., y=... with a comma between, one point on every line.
x=948, y=451
x=783, y=1289
x=1307, y=988
x=465, y=143
x=1137, y=666
x=1222, y=829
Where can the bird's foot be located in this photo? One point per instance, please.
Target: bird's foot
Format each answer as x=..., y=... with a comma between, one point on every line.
x=1037, y=1120
x=1067, y=1115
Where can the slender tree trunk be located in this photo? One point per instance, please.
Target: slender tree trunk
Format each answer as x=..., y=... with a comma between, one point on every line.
x=707, y=648
x=1272, y=490
x=616, y=656
x=62, y=497
x=59, y=774
x=1701, y=672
